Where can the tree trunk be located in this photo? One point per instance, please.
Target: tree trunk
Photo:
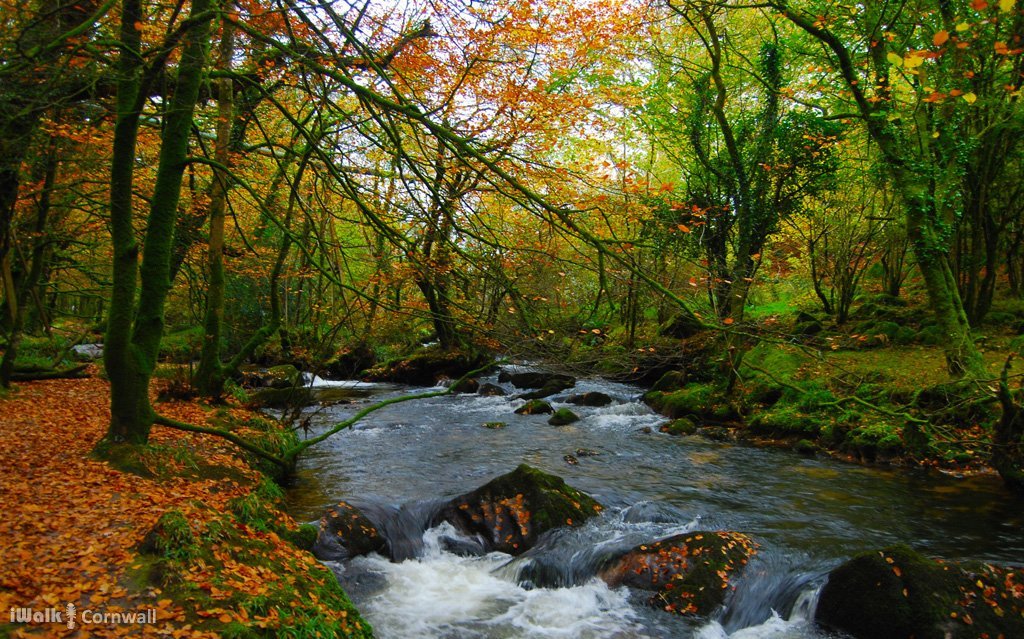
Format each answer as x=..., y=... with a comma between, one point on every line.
x=209, y=376
x=27, y=286
x=134, y=331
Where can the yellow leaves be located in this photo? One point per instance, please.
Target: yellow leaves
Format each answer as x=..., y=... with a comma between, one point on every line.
x=963, y=26
x=911, y=61
x=1006, y=6
x=970, y=97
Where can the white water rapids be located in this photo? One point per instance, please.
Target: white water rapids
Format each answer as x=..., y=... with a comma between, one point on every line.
x=808, y=515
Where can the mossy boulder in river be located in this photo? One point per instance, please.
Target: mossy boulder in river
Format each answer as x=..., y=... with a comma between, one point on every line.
x=510, y=512
x=897, y=593
x=690, y=574
x=563, y=417
x=345, y=532
x=535, y=407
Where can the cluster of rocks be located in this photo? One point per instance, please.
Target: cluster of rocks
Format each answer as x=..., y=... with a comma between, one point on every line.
x=891, y=593
x=687, y=574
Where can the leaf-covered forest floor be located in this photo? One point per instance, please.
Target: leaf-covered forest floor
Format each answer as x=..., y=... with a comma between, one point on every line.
x=192, y=531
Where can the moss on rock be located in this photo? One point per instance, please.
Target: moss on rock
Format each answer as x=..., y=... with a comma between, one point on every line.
x=704, y=401
x=690, y=574
x=511, y=511
x=898, y=593
x=535, y=407
x=345, y=532
x=562, y=417
x=681, y=426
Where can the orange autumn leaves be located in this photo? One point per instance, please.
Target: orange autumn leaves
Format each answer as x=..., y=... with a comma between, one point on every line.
x=72, y=524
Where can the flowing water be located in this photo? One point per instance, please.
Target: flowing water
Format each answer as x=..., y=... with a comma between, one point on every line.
x=807, y=515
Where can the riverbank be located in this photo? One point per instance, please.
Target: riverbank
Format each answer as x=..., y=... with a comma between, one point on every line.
x=888, y=405
x=183, y=539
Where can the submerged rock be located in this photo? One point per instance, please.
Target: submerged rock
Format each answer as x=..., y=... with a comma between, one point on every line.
x=690, y=574
x=898, y=593
x=345, y=532
x=510, y=512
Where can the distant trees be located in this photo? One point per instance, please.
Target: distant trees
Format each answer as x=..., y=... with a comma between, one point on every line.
x=935, y=85
x=534, y=171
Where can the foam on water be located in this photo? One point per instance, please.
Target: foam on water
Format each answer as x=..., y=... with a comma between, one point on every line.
x=444, y=595
x=316, y=381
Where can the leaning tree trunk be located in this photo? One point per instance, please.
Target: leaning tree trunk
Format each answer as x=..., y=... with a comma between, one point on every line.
x=134, y=331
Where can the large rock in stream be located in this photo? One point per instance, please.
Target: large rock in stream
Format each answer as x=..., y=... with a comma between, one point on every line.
x=345, y=532
x=689, y=574
x=510, y=512
x=545, y=384
x=896, y=593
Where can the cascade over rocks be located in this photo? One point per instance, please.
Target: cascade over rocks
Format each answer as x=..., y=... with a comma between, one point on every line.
x=898, y=593
x=510, y=512
x=345, y=532
x=689, y=574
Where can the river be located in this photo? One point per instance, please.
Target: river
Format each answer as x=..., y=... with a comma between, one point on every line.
x=807, y=515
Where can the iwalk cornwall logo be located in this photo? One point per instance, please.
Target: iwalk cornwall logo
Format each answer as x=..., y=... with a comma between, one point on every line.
x=72, y=618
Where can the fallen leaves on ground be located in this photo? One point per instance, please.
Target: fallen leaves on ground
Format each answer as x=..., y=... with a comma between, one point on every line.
x=72, y=524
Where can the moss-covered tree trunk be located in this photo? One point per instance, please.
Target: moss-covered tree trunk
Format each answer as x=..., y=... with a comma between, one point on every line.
x=134, y=330
x=209, y=376
x=907, y=153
